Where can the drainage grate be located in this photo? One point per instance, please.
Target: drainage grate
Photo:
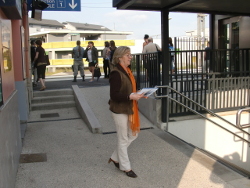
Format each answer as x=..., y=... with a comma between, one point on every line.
x=49, y=115
x=33, y=158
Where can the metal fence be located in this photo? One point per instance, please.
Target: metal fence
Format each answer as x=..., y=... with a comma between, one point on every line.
x=219, y=82
x=190, y=43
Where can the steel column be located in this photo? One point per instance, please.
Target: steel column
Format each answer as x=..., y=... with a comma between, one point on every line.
x=165, y=60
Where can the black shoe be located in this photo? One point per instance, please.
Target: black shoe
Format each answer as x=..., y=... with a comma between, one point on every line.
x=74, y=79
x=116, y=164
x=83, y=78
x=131, y=174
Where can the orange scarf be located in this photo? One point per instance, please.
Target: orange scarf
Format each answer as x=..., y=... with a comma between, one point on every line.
x=134, y=119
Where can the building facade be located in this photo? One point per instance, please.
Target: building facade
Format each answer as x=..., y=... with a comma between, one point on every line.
x=14, y=86
x=60, y=38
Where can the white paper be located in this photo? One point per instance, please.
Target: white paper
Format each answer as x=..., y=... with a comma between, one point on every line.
x=147, y=91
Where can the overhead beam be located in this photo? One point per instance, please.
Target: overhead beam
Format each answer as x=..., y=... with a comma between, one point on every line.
x=125, y=4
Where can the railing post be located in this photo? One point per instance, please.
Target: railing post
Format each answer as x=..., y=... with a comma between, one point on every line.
x=213, y=91
x=158, y=71
x=138, y=71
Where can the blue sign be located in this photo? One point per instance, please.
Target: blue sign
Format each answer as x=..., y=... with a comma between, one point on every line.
x=59, y=5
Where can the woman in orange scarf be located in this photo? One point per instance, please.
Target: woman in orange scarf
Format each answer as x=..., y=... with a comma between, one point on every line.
x=124, y=108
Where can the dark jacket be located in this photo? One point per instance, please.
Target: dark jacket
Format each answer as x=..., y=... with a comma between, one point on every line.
x=32, y=53
x=120, y=89
x=94, y=54
x=41, y=55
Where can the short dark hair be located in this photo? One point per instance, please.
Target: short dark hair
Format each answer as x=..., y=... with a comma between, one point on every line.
x=39, y=42
x=78, y=42
x=32, y=42
x=146, y=36
x=112, y=43
x=170, y=41
x=106, y=44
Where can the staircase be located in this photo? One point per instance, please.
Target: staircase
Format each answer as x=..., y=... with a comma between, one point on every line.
x=52, y=99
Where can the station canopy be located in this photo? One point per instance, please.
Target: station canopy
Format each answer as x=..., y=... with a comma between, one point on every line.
x=221, y=7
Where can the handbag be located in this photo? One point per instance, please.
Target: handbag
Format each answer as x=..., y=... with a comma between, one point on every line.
x=157, y=48
x=97, y=72
x=47, y=59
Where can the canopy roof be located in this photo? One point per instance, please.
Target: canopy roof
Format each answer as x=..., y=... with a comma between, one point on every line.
x=228, y=7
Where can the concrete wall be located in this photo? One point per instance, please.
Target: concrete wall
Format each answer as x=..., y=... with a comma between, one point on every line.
x=58, y=38
x=210, y=137
x=23, y=103
x=108, y=37
x=10, y=141
x=205, y=134
x=151, y=108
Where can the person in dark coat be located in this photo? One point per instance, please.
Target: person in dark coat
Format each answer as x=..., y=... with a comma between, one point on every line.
x=40, y=63
x=32, y=57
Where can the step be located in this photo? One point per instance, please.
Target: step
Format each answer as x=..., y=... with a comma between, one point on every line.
x=53, y=92
x=47, y=99
x=54, y=105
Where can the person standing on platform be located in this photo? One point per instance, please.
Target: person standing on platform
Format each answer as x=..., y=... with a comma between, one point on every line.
x=145, y=41
x=40, y=63
x=151, y=60
x=112, y=51
x=77, y=54
x=206, y=64
x=91, y=55
x=32, y=57
x=106, y=59
x=171, y=48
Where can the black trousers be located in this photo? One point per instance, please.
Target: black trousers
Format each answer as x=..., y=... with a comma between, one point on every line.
x=106, y=68
x=41, y=71
x=152, y=72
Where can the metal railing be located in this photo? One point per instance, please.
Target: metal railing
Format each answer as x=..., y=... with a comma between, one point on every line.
x=147, y=69
x=238, y=118
x=221, y=82
x=204, y=108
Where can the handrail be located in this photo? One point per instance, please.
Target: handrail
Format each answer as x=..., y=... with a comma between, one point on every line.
x=209, y=111
x=238, y=118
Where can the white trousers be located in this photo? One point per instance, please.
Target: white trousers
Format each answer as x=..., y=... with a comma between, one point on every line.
x=125, y=137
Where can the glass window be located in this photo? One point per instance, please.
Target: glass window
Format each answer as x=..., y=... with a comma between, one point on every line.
x=235, y=35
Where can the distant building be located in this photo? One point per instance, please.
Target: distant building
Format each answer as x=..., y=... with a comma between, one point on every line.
x=193, y=33
x=54, y=31
x=60, y=38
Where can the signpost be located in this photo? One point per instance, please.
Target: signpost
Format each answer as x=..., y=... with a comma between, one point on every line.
x=59, y=5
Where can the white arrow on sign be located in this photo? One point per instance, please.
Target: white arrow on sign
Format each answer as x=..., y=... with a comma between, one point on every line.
x=73, y=5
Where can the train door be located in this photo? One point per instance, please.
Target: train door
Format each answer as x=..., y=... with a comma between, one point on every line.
x=229, y=40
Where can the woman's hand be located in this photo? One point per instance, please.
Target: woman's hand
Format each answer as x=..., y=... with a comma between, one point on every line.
x=135, y=96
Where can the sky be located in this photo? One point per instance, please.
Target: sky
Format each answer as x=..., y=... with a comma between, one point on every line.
x=101, y=12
